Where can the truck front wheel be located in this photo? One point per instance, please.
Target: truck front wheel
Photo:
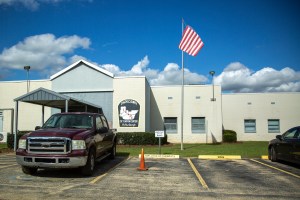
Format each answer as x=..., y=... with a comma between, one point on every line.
x=88, y=169
x=29, y=170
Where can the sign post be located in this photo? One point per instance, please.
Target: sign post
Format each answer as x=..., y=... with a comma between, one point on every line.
x=159, y=135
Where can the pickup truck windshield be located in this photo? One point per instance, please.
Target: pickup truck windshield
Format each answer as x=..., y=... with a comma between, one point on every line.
x=69, y=121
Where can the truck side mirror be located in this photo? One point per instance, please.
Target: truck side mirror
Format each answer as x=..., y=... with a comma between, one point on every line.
x=102, y=130
x=37, y=128
x=279, y=137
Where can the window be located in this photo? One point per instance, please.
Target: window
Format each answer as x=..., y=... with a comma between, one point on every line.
x=250, y=125
x=99, y=123
x=291, y=134
x=104, y=121
x=198, y=124
x=170, y=124
x=273, y=126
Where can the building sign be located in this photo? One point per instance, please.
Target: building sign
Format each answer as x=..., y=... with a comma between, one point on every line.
x=129, y=111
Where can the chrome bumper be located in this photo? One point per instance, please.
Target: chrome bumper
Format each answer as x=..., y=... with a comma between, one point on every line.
x=51, y=162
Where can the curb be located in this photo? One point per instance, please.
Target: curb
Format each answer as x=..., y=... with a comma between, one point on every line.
x=158, y=156
x=220, y=157
x=264, y=157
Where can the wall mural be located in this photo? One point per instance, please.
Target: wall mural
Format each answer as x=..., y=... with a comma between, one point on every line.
x=129, y=111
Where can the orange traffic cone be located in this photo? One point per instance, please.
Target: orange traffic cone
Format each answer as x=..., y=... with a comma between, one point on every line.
x=142, y=162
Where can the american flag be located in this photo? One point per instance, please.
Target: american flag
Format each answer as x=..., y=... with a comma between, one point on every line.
x=191, y=42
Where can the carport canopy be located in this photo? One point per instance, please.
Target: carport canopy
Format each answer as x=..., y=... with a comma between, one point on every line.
x=53, y=99
x=49, y=98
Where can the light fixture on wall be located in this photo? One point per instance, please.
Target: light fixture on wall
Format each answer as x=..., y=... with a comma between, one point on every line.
x=27, y=68
x=212, y=73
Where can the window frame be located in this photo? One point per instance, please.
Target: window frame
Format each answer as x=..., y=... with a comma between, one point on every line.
x=198, y=131
x=271, y=125
x=170, y=131
x=248, y=125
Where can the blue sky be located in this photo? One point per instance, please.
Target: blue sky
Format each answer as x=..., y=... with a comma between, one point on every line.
x=252, y=45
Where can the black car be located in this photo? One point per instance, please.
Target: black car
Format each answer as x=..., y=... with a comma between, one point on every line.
x=286, y=146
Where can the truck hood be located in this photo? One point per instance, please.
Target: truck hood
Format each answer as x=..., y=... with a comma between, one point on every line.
x=58, y=132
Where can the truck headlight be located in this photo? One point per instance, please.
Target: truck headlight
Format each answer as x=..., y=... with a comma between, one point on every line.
x=22, y=144
x=78, y=144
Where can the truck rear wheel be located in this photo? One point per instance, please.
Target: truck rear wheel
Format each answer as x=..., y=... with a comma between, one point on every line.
x=88, y=169
x=29, y=170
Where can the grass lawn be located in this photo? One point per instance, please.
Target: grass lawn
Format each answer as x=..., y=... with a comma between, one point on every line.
x=245, y=149
x=4, y=149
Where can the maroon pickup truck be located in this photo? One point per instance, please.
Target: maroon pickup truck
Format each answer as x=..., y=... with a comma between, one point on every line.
x=67, y=140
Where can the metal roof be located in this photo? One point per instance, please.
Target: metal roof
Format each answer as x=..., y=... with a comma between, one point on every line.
x=53, y=99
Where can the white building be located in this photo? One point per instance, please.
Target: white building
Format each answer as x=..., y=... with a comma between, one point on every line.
x=132, y=105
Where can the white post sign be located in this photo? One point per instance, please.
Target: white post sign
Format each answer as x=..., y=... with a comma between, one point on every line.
x=160, y=134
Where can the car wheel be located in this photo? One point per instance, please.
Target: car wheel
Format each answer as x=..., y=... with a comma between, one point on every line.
x=29, y=170
x=273, y=155
x=113, y=151
x=89, y=167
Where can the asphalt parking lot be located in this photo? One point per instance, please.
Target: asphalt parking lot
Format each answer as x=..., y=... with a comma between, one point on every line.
x=184, y=178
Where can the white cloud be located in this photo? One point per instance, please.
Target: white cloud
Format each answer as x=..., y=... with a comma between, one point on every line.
x=49, y=54
x=138, y=68
x=30, y=4
x=236, y=77
x=171, y=75
x=42, y=51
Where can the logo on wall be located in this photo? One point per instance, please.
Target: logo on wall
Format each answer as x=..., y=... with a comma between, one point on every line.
x=129, y=111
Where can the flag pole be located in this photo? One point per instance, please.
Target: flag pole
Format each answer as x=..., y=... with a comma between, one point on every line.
x=182, y=91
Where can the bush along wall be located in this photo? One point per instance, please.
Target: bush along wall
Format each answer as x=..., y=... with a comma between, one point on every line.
x=229, y=136
x=10, y=138
x=139, y=138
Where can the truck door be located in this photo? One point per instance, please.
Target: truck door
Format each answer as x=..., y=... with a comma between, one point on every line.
x=108, y=135
x=99, y=137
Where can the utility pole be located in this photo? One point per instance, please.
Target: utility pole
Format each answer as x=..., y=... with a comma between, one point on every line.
x=27, y=68
x=212, y=73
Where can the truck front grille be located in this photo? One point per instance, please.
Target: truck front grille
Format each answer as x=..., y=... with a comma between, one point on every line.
x=48, y=145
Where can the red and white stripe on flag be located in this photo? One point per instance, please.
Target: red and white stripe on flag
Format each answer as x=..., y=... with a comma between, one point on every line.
x=191, y=42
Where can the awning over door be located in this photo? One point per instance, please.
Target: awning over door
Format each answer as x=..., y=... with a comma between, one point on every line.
x=53, y=99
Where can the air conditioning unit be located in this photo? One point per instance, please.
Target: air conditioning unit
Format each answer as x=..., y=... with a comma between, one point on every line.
x=3, y=137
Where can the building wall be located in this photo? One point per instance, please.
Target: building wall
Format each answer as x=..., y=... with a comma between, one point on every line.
x=228, y=111
x=133, y=88
x=82, y=78
x=30, y=115
x=103, y=99
x=260, y=107
x=166, y=102
x=85, y=83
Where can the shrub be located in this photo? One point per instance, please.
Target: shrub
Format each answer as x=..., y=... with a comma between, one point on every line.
x=139, y=138
x=11, y=138
x=229, y=136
